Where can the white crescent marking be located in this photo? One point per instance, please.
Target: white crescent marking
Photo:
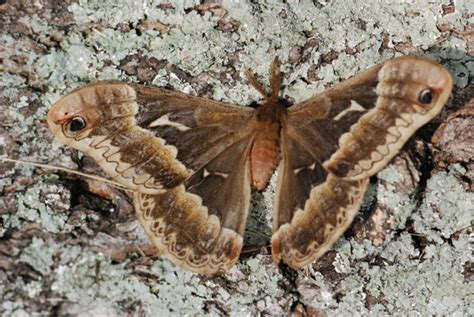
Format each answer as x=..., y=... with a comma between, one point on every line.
x=165, y=120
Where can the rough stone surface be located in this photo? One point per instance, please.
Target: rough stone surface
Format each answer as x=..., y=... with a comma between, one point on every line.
x=408, y=251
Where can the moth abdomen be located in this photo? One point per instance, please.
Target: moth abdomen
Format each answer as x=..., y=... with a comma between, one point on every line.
x=263, y=159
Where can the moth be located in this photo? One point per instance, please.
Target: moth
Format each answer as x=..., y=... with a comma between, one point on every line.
x=191, y=161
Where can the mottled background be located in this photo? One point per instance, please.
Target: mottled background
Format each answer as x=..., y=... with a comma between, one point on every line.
x=61, y=236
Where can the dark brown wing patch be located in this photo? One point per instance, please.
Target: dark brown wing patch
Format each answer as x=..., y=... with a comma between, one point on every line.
x=298, y=173
x=199, y=128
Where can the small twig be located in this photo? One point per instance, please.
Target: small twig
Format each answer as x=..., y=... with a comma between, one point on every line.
x=263, y=234
x=67, y=170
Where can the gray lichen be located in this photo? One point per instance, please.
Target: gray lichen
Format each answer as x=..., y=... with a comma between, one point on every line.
x=448, y=208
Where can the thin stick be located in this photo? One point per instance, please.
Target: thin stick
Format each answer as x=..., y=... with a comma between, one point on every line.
x=67, y=170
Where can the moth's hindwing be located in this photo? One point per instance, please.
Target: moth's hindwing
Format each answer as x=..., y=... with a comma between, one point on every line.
x=327, y=213
x=186, y=233
x=199, y=225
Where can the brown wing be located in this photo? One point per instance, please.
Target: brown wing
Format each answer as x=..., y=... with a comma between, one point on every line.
x=186, y=158
x=199, y=225
x=332, y=143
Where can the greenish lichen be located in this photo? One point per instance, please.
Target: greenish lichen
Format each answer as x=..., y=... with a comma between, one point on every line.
x=401, y=203
x=447, y=208
x=35, y=206
x=38, y=255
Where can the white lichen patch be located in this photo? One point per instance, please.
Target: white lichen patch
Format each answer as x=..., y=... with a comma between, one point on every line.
x=35, y=205
x=39, y=255
x=400, y=203
x=447, y=208
x=90, y=280
x=259, y=285
x=315, y=291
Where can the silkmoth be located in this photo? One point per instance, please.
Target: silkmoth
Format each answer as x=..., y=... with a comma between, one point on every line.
x=191, y=162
